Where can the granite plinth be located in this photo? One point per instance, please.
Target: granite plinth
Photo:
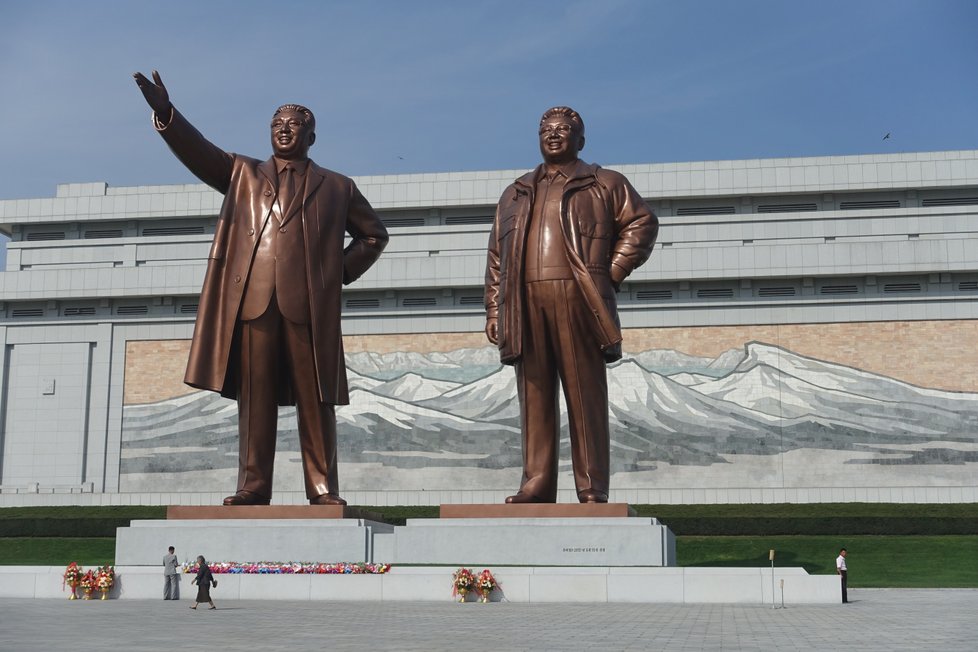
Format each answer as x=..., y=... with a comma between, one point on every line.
x=223, y=512
x=537, y=510
x=144, y=543
x=573, y=535
x=530, y=541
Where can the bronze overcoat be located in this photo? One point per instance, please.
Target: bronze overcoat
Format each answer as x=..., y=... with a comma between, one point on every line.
x=608, y=231
x=332, y=207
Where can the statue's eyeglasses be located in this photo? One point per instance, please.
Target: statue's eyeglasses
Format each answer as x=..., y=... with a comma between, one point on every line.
x=292, y=122
x=562, y=128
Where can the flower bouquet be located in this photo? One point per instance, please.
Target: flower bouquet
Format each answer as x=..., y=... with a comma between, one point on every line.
x=462, y=583
x=71, y=579
x=485, y=585
x=104, y=579
x=290, y=568
x=87, y=584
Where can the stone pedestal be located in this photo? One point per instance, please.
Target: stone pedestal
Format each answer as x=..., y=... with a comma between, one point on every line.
x=144, y=543
x=537, y=510
x=265, y=512
x=574, y=535
x=530, y=541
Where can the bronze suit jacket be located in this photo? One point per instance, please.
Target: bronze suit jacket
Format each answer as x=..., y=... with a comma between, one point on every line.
x=608, y=232
x=332, y=206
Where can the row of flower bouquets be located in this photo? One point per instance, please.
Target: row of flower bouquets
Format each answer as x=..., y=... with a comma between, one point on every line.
x=289, y=568
x=465, y=582
x=94, y=579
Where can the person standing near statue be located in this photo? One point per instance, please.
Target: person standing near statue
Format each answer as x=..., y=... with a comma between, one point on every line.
x=268, y=322
x=564, y=238
x=170, y=575
x=843, y=571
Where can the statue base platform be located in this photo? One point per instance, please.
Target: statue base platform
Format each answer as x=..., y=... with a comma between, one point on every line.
x=571, y=534
x=268, y=537
x=537, y=510
x=224, y=512
x=538, y=534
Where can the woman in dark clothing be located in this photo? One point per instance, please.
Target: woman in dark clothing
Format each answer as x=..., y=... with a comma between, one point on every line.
x=203, y=580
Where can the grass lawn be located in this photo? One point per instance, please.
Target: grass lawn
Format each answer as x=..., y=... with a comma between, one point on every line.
x=36, y=551
x=949, y=561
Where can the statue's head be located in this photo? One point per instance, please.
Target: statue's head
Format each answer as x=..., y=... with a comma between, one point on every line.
x=293, y=132
x=561, y=135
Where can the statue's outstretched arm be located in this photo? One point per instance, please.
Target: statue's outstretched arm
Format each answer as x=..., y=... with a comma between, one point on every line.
x=208, y=162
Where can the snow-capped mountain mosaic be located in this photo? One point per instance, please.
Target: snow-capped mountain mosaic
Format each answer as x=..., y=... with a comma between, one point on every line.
x=757, y=416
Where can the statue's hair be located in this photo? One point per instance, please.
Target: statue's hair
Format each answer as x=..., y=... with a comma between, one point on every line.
x=564, y=112
x=297, y=108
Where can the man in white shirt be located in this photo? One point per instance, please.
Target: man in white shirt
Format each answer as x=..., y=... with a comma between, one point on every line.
x=840, y=567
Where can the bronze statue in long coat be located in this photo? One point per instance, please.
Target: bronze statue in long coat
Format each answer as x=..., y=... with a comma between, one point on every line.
x=268, y=321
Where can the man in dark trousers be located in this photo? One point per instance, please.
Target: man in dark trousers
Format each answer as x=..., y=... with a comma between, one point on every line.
x=268, y=322
x=840, y=567
x=564, y=238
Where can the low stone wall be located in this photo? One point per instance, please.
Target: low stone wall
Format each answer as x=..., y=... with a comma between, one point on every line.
x=433, y=584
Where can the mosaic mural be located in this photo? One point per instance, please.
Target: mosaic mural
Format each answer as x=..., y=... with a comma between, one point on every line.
x=756, y=416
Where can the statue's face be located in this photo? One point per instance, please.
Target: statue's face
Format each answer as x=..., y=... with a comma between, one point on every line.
x=560, y=140
x=292, y=136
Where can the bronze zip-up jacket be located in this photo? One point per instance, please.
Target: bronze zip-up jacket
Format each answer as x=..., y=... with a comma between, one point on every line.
x=608, y=232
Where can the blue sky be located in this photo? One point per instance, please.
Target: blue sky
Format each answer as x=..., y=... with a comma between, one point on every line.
x=442, y=86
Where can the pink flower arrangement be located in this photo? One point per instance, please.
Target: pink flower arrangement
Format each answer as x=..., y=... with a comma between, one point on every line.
x=462, y=582
x=290, y=568
x=486, y=584
x=71, y=577
x=104, y=578
x=87, y=583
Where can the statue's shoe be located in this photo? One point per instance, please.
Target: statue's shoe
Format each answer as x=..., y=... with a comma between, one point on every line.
x=327, y=499
x=522, y=499
x=592, y=496
x=246, y=498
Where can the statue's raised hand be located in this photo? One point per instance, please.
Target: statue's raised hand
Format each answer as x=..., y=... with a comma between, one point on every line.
x=155, y=93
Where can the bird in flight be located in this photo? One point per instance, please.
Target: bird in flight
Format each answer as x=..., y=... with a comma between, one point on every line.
x=886, y=136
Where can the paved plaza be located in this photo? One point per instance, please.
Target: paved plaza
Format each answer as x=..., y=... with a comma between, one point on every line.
x=877, y=619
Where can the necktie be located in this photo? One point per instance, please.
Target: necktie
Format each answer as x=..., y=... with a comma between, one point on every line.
x=286, y=190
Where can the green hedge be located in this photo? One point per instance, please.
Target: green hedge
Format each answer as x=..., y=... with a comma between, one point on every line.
x=684, y=520
x=816, y=519
x=398, y=514
x=841, y=525
x=85, y=522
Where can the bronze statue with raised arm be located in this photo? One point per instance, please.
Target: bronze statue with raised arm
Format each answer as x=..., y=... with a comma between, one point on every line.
x=268, y=322
x=564, y=238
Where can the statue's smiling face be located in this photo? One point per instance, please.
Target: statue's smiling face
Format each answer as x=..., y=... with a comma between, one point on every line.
x=560, y=139
x=292, y=135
